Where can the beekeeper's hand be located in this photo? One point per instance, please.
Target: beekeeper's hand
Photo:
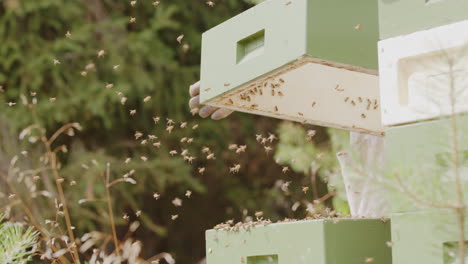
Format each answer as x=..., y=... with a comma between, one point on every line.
x=194, y=103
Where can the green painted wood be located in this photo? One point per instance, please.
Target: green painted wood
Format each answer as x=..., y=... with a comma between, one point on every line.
x=401, y=17
x=348, y=241
x=422, y=237
x=325, y=29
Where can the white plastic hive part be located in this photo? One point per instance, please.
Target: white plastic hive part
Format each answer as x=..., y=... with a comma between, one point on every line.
x=424, y=75
x=311, y=91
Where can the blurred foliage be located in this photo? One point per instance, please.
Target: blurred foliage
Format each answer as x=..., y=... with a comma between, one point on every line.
x=16, y=242
x=151, y=63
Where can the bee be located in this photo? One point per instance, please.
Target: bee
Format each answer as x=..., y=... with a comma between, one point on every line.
x=235, y=168
x=254, y=106
x=305, y=189
x=56, y=62
x=210, y=156
x=285, y=186
x=143, y=158
x=152, y=137
x=363, y=115
x=280, y=93
x=337, y=88
x=276, y=108
x=310, y=134
x=177, y=202
x=346, y=99
x=210, y=3
x=173, y=152
x=360, y=99
x=156, y=3
x=264, y=140
x=144, y=141
x=299, y=113
x=138, y=135
x=146, y=99
x=174, y=217
x=169, y=122
x=123, y=100
x=227, y=84
x=258, y=137
x=68, y=34
x=183, y=125
x=11, y=104
x=101, y=53
x=272, y=92
x=201, y=170
x=232, y=146
x=314, y=103
x=195, y=126
x=184, y=152
x=207, y=89
x=358, y=27
x=287, y=3
x=205, y=150
x=133, y=112
x=133, y=3
x=268, y=149
x=188, y=193
x=353, y=103
x=241, y=149
x=272, y=138
x=156, y=196
x=369, y=260
x=285, y=169
x=72, y=183
x=126, y=217
x=260, y=91
x=156, y=119
x=132, y=19
x=184, y=139
x=169, y=129
x=389, y=243
x=189, y=140
x=115, y=67
x=157, y=144
x=179, y=38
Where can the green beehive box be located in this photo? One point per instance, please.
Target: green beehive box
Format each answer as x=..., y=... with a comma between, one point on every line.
x=347, y=241
x=401, y=17
x=426, y=237
x=311, y=61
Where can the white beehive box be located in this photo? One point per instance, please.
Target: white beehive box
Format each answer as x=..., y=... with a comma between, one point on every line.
x=424, y=74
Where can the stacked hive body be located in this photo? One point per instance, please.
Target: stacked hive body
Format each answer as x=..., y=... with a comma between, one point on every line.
x=423, y=71
x=305, y=60
x=315, y=61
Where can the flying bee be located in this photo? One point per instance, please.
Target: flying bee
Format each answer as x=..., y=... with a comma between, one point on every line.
x=195, y=126
x=272, y=92
x=101, y=53
x=179, y=38
x=123, y=100
x=174, y=217
x=369, y=260
x=305, y=189
x=147, y=99
x=56, y=62
x=184, y=152
x=188, y=193
x=285, y=169
x=272, y=138
x=143, y=158
x=201, y=170
x=189, y=140
x=156, y=119
x=268, y=149
x=241, y=149
x=183, y=140
x=109, y=85
x=183, y=125
x=310, y=134
x=133, y=112
x=235, y=168
x=169, y=129
x=258, y=137
x=205, y=150
x=353, y=103
x=210, y=156
x=314, y=103
x=173, y=152
x=157, y=144
x=232, y=146
x=156, y=196
x=177, y=202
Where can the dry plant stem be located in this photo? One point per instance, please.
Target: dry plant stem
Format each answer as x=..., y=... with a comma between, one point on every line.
x=460, y=210
x=111, y=214
x=34, y=220
x=53, y=161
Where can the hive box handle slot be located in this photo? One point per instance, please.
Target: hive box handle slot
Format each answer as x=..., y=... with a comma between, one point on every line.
x=251, y=46
x=451, y=255
x=266, y=259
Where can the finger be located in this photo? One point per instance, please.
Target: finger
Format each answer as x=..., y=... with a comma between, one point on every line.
x=195, y=89
x=221, y=113
x=194, y=102
x=207, y=111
